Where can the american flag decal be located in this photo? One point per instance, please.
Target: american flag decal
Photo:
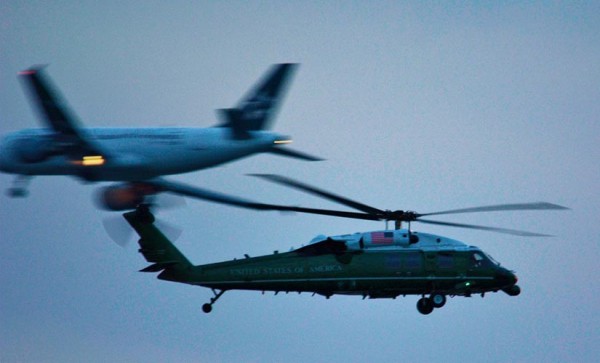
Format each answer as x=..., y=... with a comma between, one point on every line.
x=382, y=238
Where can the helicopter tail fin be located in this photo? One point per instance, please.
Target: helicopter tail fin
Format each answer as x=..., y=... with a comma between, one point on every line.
x=156, y=248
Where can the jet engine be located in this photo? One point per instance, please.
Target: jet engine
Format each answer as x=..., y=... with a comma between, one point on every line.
x=122, y=197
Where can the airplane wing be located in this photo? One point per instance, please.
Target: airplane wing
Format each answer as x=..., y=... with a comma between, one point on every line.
x=56, y=114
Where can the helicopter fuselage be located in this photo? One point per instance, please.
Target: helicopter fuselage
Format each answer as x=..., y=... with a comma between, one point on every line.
x=384, y=272
x=379, y=264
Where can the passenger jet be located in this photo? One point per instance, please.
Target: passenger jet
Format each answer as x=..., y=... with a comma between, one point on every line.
x=138, y=158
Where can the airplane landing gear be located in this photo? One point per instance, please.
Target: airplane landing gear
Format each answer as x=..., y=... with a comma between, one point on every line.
x=207, y=308
x=19, y=187
x=17, y=192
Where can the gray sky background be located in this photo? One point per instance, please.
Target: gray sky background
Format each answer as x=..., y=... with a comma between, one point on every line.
x=415, y=105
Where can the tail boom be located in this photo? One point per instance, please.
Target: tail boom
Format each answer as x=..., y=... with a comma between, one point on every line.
x=155, y=247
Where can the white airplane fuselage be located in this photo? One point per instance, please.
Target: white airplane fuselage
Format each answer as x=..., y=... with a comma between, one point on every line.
x=134, y=154
x=139, y=158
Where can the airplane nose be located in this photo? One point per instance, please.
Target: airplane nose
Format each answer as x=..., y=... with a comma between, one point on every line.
x=3, y=156
x=7, y=155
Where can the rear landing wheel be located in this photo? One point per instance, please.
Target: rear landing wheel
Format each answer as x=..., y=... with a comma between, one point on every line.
x=425, y=305
x=207, y=308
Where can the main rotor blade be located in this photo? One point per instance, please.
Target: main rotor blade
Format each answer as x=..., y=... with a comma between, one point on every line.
x=326, y=212
x=205, y=194
x=513, y=232
x=501, y=207
x=370, y=212
x=321, y=193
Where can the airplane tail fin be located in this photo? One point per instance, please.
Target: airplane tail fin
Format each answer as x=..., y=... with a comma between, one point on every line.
x=156, y=248
x=256, y=110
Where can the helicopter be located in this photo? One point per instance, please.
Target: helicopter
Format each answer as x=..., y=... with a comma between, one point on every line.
x=376, y=264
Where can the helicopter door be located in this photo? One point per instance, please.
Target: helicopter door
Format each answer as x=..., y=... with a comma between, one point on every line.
x=445, y=261
x=413, y=262
x=430, y=262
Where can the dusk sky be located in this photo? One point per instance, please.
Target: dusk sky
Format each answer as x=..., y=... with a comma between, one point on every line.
x=422, y=106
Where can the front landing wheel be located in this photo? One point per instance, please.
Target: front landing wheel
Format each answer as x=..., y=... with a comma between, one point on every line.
x=207, y=308
x=425, y=305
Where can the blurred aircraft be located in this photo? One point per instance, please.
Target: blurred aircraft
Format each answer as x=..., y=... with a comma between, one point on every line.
x=139, y=157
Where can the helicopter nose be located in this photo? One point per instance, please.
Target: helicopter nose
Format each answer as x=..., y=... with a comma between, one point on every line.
x=506, y=277
x=512, y=288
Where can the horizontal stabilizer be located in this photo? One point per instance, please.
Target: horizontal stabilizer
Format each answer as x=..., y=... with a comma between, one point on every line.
x=294, y=154
x=157, y=267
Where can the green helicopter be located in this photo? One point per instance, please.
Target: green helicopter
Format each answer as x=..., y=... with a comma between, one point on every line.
x=374, y=264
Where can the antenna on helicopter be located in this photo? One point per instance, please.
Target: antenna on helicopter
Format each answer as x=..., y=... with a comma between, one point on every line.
x=398, y=224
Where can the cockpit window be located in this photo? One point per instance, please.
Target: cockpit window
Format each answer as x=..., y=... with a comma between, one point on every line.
x=477, y=259
x=492, y=260
x=480, y=259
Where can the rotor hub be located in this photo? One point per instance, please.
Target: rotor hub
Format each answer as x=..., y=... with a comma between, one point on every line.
x=401, y=216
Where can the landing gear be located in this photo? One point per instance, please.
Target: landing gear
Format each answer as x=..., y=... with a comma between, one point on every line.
x=438, y=300
x=207, y=308
x=17, y=192
x=19, y=187
x=425, y=305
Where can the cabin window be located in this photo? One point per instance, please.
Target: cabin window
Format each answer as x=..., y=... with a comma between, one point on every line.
x=393, y=261
x=413, y=260
x=445, y=261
